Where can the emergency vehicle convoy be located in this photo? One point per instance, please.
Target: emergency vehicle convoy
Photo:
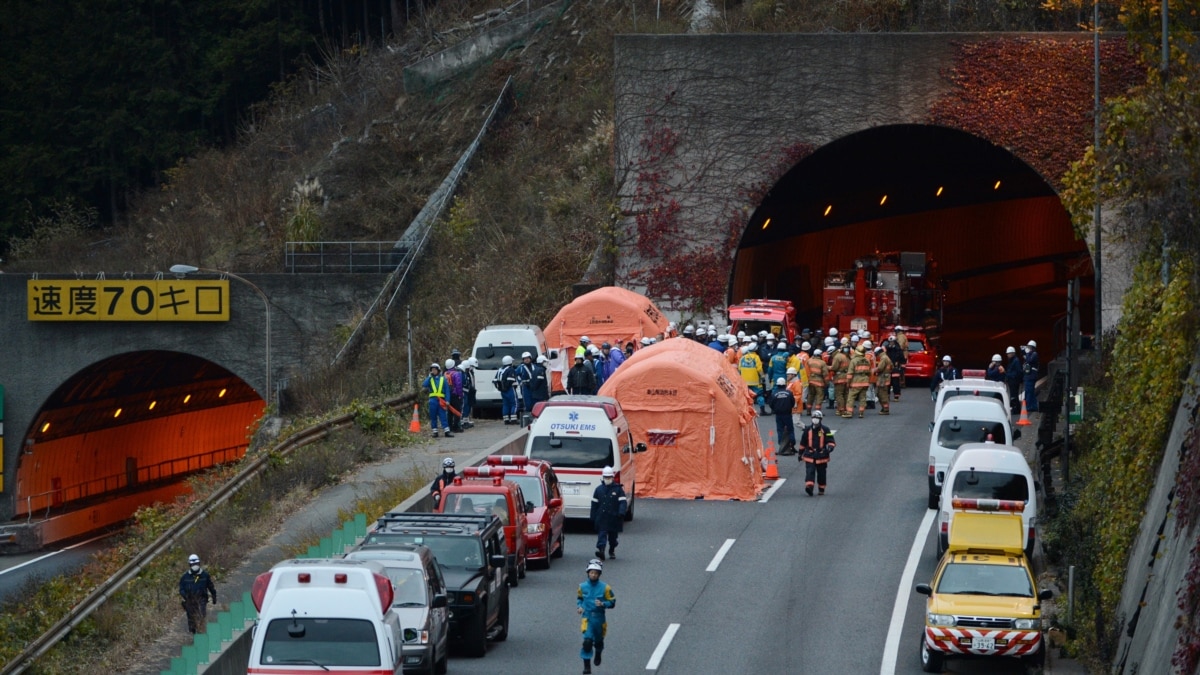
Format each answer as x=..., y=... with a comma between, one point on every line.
x=983, y=600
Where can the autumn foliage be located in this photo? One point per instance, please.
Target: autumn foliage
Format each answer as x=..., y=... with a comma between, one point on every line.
x=1034, y=96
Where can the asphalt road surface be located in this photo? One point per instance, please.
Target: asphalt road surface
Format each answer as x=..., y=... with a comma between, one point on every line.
x=789, y=584
x=26, y=569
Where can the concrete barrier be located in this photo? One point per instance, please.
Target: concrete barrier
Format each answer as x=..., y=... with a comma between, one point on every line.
x=235, y=654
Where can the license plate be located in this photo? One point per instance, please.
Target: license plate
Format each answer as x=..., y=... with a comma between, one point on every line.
x=570, y=489
x=983, y=643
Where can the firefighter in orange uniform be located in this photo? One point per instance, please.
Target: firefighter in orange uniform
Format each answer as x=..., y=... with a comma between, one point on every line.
x=840, y=365
x=818, y=370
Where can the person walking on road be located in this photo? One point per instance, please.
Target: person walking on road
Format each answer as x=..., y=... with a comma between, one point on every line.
x=816, y=444
x=782, y=403
x=594, y=598
x=195, y=587
x=860, y=380
x=609, y=504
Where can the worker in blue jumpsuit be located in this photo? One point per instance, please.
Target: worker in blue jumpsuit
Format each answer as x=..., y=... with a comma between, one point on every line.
x=594, y=598
x=1030, y=370
x=439, y=399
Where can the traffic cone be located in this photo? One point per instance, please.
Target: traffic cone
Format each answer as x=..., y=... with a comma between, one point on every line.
x=414, y=427
x=1024, y=421
x=772, y=467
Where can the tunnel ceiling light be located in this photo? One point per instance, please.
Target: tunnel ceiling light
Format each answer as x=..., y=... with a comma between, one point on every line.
x=222, y=394
x=117, y=413
x=152, y=404
x=187, y=398
x=766, y=223
x=939, y=191
x=883, y=201
x=828, y=209
x=996, y=186
x=45, y=427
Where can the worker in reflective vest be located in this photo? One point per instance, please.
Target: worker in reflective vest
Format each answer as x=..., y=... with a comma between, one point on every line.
x=435, y=383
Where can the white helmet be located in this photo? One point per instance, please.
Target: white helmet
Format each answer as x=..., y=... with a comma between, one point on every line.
x=449, y=364
x=741, y=334
x=817, y=352
x=780, y=382
x=833, y=331
x=805, y=346
x=688, y=329
x=193, y=559
x=595, y=564
x=1032, y=344
x=995, y=358
x=866, y=344
x=828, y=341
x=946, y=359
x=607, y=472
x=1010, y=350
x=542, y=359
x=762, y=333
x=593, y=350
x=472, y=363
x=448, y=463
x=507, y=360
x=792, y=371
x=584, y=339
x=526, y=355
x=645, y=340
x=817, y=414
x=901, y=328
x=434, y=365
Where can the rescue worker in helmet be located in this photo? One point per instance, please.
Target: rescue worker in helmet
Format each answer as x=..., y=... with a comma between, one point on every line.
x=751, y=368
x=1030, y=372
x=525, y=381
x=816, y=444
x=1013, y=377
x=454, y=377
x=609, y=505
x=580, y=378
x=782, y=403
x=593, y=599
x=777, y=366
x=195, y=587
x=944, y=374
x=818, y=370
x=995, y=369
x=439, y=399
x=860, y=380
x=506, y=382
x=898, y=358
x=444, y=479
x=840, y=366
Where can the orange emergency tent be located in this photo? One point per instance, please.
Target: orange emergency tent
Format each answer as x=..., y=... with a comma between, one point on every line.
x=609, y=314
x=697, y=418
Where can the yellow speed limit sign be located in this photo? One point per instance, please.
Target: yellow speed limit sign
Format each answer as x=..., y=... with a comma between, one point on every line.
x=126, y=300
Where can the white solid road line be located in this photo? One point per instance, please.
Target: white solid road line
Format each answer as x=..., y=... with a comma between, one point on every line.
x=716, y=561
x=661, y=650
x=54, y=553
x=891, y=647
x=773, y=489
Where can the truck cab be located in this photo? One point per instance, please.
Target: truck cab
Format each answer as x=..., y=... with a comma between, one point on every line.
x=483, y=490
x=774, y=316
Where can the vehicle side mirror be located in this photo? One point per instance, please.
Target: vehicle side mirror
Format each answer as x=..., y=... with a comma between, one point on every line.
x=1045, y=594
x=556, y=503
x=1016, y=434
x=528, y=507
x=640, y=447
x=924, y=589
x=498, y=561
x=438, y=601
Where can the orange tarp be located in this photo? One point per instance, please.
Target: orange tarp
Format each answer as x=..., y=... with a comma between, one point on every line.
x=610, y=314
x=696, y=416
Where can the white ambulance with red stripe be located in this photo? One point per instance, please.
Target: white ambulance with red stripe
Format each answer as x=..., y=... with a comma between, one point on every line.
x=983, y=601
x=325, y=615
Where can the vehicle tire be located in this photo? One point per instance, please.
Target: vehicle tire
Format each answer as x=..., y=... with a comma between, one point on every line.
x=475, y=636
x=562, y=547
x=931, y=661
x=440, y=665
x=521, y=567
x=933, y=501
x=632, y=503
x=513, y=577
x=502, y=622
x=430, y=667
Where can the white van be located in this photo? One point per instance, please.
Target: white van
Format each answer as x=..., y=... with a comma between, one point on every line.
x=989, y=477
x=325, y=615
x=964, y=419
x=491, y=346
x=971, y=387
x=579, y=436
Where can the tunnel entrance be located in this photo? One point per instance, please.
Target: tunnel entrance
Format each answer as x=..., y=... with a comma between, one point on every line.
x=126, y=431
x=1000, y=239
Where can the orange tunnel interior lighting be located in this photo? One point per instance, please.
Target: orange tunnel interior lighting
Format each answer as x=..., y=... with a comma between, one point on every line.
x=883, y=201
x=118, y=412
x=939, y=191
x=152, y=404
x=766, y=223
x=996, y=186
x=828, y=209
x=45, y=427
x=187, y=398
x=222, y=394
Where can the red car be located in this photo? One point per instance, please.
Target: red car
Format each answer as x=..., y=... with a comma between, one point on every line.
x=543, y=504
x=486, y=489
x=922, y=356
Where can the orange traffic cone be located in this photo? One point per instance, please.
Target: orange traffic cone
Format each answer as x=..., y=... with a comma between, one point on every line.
x=1024, y=421
x=772, y=467
x=414, y=426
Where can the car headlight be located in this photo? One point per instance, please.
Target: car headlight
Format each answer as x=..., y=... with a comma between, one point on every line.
x=535, y=528
x=1027, y=624
x=942, y=619
x=414, y=636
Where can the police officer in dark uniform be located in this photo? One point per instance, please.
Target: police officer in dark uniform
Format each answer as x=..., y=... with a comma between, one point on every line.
x=609, y=504
x=195, y=587
x=782, y=401
x=445, y=478
x=816, y=444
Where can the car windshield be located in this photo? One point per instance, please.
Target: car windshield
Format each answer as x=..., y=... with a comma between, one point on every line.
x=531, y=487
x=490, y=357
x=954, y=432
x=915, y=345
x=579, y=452
x=408, y=586
x=990, y=485
x=753, y=327
x=472, y=503
x=327, y=642
x=983, y=579
x=982, y=393
x=450, y=551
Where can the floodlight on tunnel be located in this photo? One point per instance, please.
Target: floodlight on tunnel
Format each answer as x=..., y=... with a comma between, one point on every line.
x=152, y=404
x=828, y=209
x=883, y=201
x=187, y=398
x=117, y=413
x=766, y=223
x=222, y=394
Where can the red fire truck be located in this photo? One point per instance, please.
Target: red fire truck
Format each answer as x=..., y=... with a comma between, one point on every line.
x=773, y=316
x=884, y=290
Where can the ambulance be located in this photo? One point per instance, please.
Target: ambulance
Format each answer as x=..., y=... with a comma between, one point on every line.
x=325, y=615
x=984, y=601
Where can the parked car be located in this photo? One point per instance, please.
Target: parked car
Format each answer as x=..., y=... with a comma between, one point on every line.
x=483, y=490
x=544, y=538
